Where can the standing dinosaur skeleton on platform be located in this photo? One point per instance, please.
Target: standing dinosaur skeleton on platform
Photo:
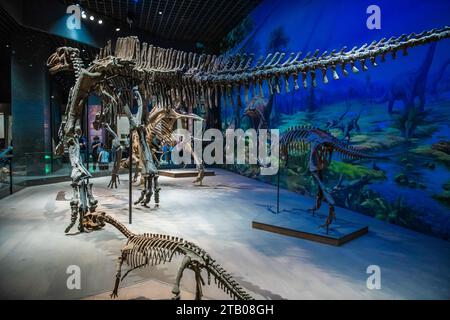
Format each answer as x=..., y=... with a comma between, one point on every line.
x=169, y=75
x=321, y=145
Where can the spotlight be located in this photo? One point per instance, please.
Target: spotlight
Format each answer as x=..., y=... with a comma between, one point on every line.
x=83, y=15
x=100, y=21
x=117, y=29
x=91, y=18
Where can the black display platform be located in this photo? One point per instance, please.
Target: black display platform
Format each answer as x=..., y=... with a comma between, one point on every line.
x=304, y=225
x=183, y=173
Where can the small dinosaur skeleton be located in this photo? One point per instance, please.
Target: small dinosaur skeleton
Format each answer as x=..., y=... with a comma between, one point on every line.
x=144, y=250
x=320, y=144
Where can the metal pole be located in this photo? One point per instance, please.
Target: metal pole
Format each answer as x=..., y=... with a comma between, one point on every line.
x=10, y=175
x=87, y=134
x=130, y=155
x=278, y=185
x=51, y=126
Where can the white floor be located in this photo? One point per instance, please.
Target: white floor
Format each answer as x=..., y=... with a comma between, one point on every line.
x=35, y=252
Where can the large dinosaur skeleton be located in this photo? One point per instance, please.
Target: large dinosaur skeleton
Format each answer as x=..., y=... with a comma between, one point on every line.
x=168, y=75
x=321, y=145
x=144, y=250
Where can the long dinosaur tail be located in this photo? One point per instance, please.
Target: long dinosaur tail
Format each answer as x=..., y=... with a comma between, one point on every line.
x=226, y=282
x=221, y=278
x=349, y=152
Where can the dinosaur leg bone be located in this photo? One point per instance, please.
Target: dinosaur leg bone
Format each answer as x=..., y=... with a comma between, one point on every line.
x=199, y=282
x=198, y=163
x=156, y=189
x=318, y=203
x=91, y=200
x=176, y=287
x=146, y=193
x=118, y=274
x=74, y=207
x=328, y=198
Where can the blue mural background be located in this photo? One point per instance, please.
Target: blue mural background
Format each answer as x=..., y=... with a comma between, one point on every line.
x=412, y=187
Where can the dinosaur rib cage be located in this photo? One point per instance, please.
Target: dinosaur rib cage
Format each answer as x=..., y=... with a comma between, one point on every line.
x=151, y=249
x=299, y=139
x=162, y=131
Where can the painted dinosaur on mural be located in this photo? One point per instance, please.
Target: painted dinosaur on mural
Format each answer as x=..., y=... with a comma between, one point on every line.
x=168, y=75
x=411, y=87
x=145, y=250
x=258, y=110
x=345, y=123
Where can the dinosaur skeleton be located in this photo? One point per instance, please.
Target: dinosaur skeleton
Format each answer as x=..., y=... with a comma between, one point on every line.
x=143, y=250
x=168, y=75
x=320, y=144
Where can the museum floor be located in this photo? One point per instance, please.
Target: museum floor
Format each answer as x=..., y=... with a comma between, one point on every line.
x=35, y=252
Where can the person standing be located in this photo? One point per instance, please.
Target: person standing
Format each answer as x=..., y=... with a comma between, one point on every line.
x=103, y=158
x=95, y=151
x=82, y=142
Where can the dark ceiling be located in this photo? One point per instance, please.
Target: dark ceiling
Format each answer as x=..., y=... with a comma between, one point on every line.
x=206, y=21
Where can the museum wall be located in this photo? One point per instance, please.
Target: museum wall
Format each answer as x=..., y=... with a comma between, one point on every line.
x=410, y=186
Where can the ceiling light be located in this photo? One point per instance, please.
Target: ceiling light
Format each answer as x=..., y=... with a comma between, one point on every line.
x=91, y=18
x=100, y=21
x=83, y=15
x=160, y=12
x=117, y=29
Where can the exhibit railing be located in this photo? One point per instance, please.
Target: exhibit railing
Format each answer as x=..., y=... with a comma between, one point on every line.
x=36, y=168
x=6, y=186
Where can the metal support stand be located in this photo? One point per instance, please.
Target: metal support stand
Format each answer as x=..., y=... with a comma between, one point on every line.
x=278, y=185
x=86, y=128
x=130, y=178
x=130, y=172
x=10, y=175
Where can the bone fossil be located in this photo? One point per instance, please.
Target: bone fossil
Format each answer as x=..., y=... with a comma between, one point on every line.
x=320, y=144
x=144, y=250
x=168, y=75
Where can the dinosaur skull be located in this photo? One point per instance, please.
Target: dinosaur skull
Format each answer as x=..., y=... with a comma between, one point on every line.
x=94, y=220
x=62, y=59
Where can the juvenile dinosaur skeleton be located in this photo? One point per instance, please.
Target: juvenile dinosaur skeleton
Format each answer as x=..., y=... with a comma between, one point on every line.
x=168, y=75
x=144, y=250
x=321, y=145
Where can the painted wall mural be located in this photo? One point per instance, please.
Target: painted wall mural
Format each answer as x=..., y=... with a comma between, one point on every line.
x=400, y=109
